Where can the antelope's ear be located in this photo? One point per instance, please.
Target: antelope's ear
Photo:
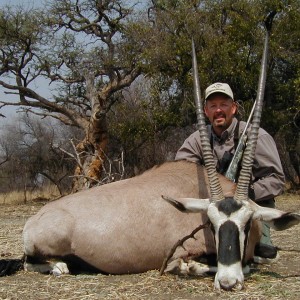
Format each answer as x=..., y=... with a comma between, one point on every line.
x=277, y=219
x=188, y=205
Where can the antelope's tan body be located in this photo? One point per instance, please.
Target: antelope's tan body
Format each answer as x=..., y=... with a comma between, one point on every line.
x=124, y=227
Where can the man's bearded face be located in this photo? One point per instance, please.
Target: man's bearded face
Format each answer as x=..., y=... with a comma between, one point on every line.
x=220, y=111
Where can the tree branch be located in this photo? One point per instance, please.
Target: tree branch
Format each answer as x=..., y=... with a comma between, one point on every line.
x=180, y=243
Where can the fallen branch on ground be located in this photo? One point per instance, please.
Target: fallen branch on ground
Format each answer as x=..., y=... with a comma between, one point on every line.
x=180, y=243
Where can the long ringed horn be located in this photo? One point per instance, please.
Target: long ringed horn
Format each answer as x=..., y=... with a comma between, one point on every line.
x=214, y=183
x=248, y=158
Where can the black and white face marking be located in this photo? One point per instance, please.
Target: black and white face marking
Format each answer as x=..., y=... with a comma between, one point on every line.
x=231, y=223
x=230, y=220
x=229, y=251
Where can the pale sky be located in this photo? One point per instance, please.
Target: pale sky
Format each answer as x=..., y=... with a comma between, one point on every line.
x=20, y=2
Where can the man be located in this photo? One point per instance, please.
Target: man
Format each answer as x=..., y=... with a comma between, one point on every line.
x=224, y=131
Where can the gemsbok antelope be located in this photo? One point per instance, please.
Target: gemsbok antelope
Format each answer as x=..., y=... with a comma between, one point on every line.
x=126, y=226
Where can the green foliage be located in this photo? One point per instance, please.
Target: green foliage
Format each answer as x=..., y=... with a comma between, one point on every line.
x=229, y=41
x=135, y=122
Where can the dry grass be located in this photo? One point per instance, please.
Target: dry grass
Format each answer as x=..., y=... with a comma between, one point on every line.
x=18, y=197
x=278, y=281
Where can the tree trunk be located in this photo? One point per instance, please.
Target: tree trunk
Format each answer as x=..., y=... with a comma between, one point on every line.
x=91, y=153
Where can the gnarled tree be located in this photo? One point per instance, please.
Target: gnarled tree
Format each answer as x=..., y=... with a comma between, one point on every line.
x=81, y=49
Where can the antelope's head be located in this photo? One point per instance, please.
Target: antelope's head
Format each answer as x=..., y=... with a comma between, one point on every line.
x=232, y=222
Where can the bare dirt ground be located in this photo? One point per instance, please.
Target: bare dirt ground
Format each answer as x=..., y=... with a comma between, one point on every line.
x=277, y=281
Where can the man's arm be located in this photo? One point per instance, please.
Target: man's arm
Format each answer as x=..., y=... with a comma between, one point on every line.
x=191, y=149
x=268, y=176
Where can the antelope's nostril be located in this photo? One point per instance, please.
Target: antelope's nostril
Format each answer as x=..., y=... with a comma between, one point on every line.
x=229, y=285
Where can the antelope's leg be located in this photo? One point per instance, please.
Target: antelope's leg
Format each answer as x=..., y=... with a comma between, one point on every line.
x=55, y=268
x=177, y=266
x=180, y=267
x=196, y=268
